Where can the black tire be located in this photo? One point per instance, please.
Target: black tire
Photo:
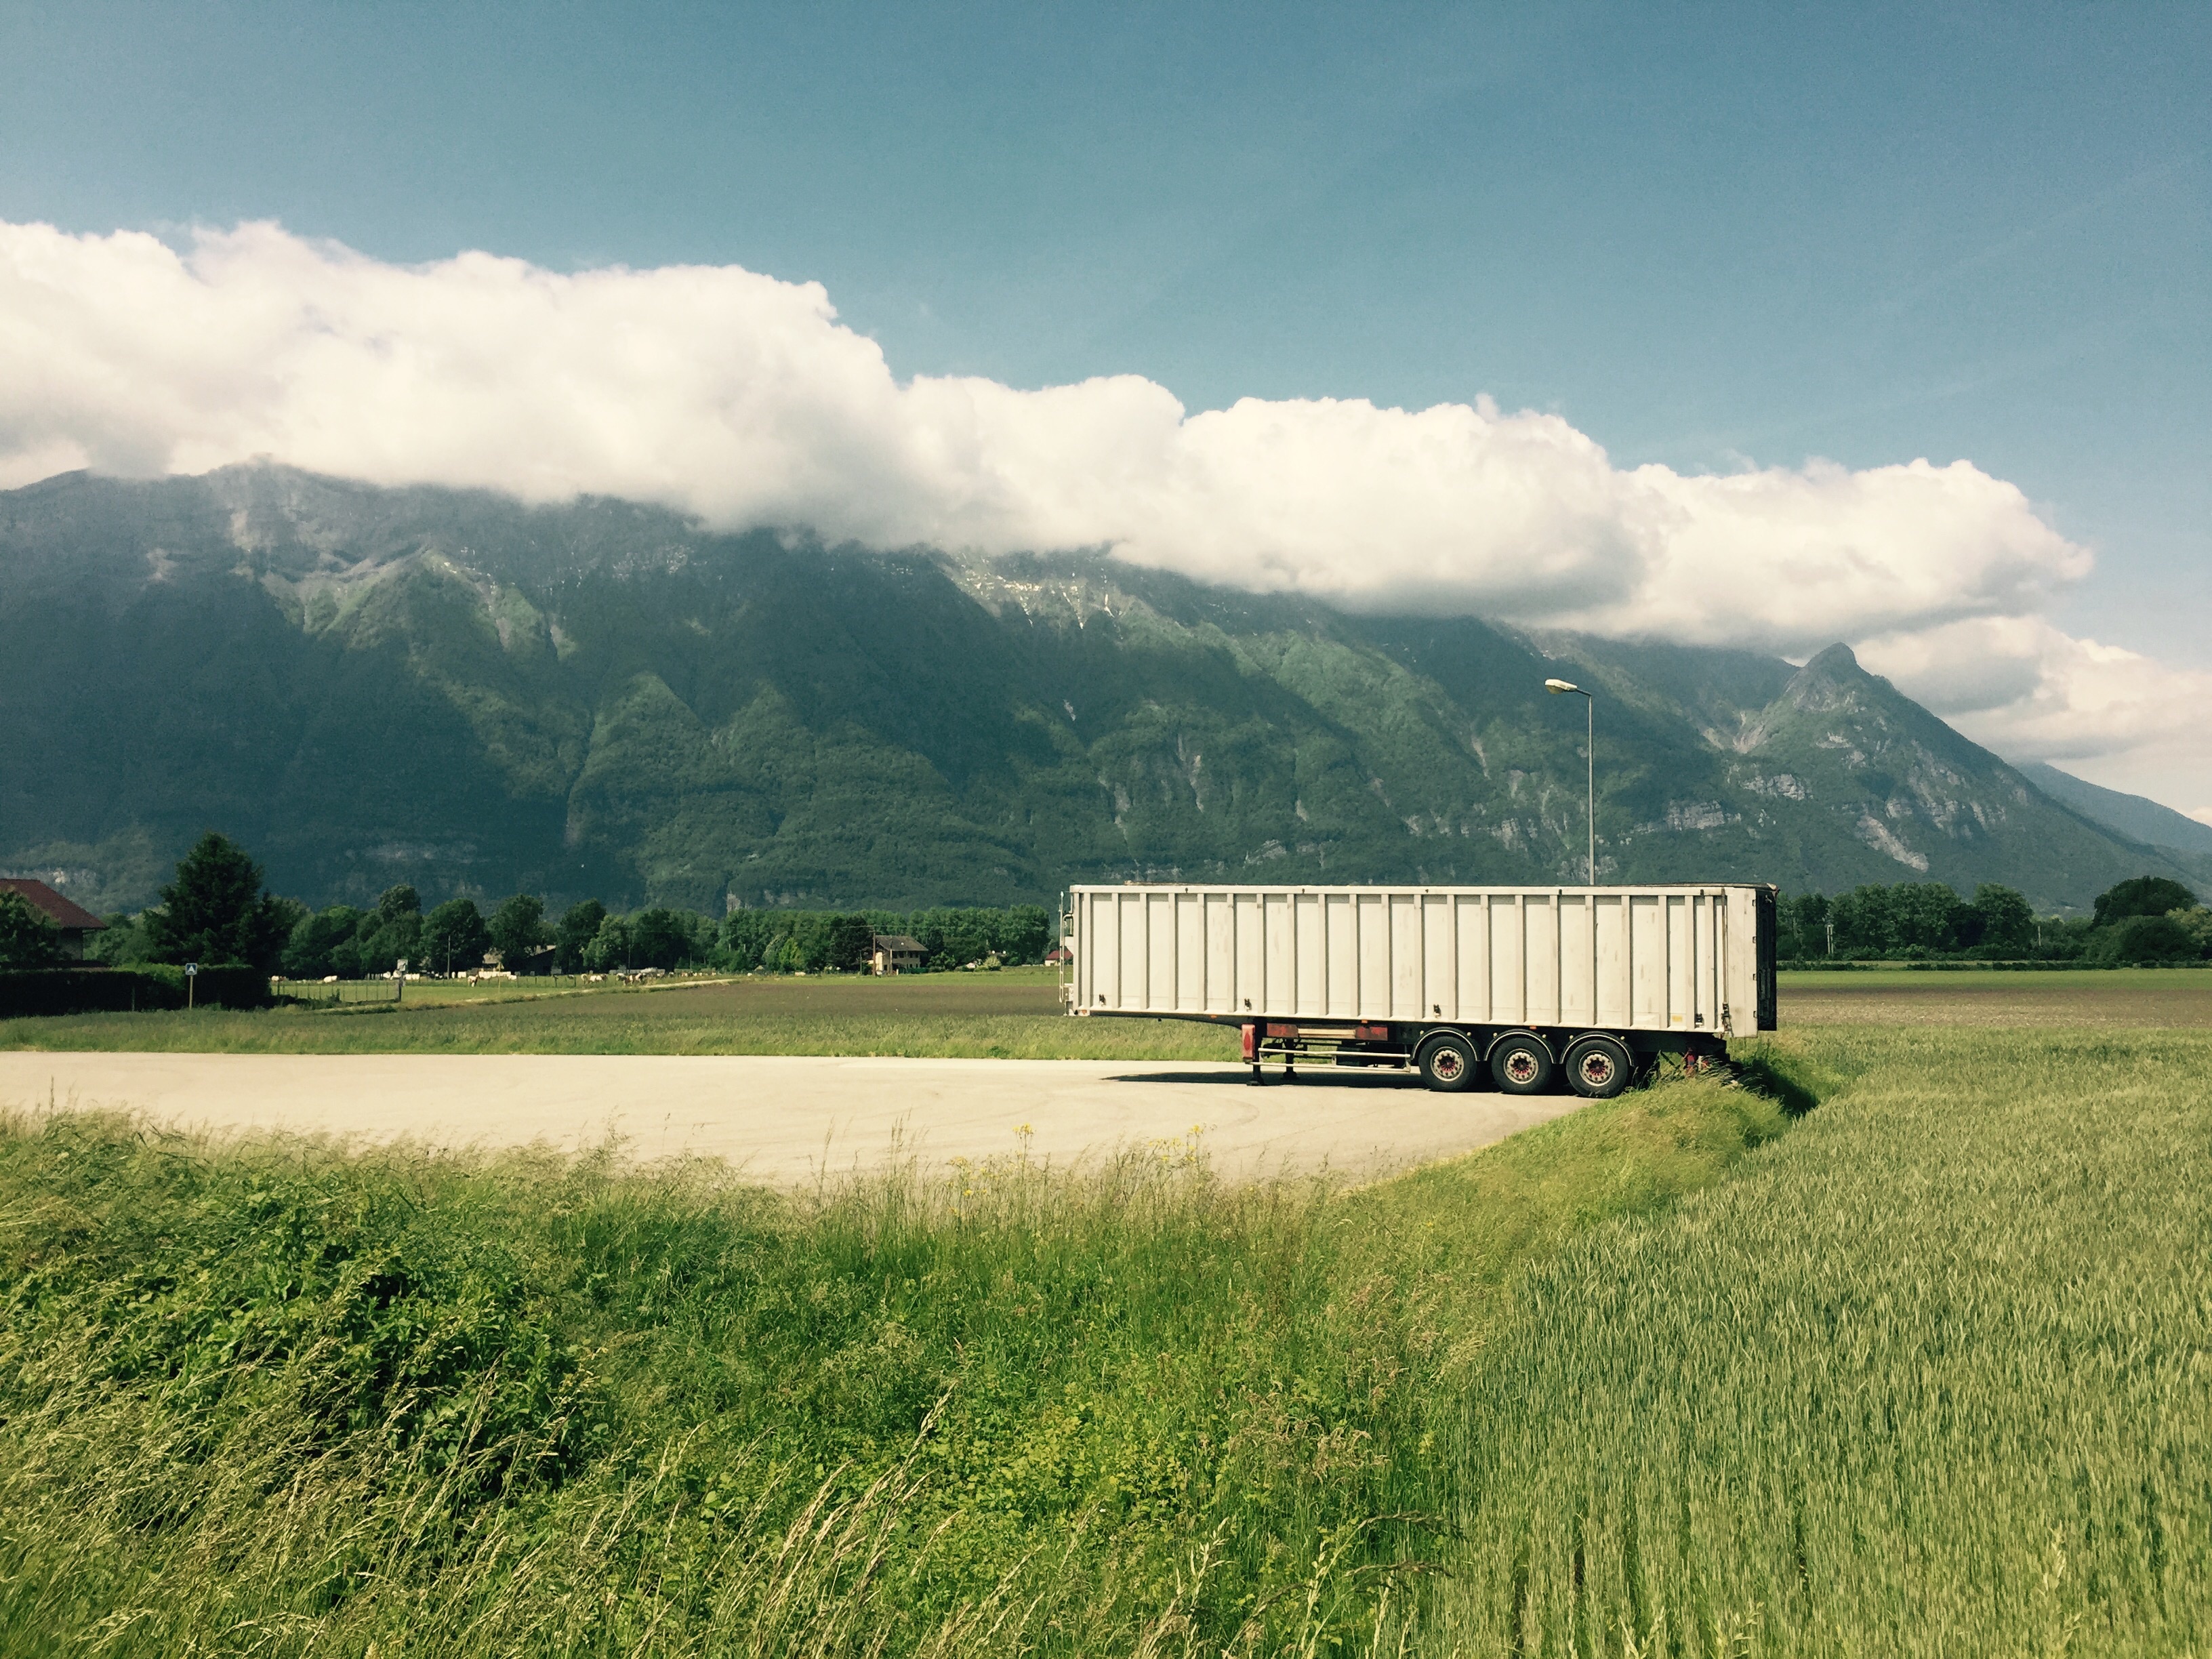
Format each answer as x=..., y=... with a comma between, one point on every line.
x=1448, y=1062
x=1599, y=1068
x=1522, y=1064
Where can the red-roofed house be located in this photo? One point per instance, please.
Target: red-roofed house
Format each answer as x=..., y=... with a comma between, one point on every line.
x=77, y=923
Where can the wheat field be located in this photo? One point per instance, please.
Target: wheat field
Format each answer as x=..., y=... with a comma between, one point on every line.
x=1932, y=1376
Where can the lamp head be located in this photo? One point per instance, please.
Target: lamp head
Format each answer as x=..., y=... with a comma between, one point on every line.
x=1557, y=686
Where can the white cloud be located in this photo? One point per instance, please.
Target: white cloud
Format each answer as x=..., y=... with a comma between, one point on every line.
x=742, y=399
x=2024, y=688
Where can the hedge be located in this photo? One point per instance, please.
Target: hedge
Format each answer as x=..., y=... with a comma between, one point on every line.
x=26, y=990
x=1925, y=965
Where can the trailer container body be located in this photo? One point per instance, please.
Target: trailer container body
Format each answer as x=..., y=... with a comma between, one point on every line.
x=1372, y=974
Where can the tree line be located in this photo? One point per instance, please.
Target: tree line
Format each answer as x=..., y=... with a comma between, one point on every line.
x=2145, y=919
x=216, y=910
x=589, y=938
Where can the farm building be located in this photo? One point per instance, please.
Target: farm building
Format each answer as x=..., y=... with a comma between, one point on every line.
x=77, y=923
x=896, y=953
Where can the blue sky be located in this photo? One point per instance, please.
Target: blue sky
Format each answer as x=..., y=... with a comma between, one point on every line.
x=1703, y=236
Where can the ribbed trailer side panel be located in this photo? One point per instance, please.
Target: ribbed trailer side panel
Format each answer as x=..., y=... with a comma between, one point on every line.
x=1613, y=958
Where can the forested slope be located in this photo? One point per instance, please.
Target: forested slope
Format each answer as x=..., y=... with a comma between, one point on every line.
x=369, y=685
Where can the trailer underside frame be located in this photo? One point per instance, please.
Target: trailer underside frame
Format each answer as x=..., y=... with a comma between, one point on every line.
x=1399, y=1045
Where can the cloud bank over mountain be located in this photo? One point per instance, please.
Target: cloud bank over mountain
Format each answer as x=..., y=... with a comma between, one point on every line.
x=742, y=399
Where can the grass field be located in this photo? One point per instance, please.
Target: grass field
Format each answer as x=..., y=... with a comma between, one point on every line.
x=1929, y=1377
x=1925, y=1373
x=2130, y=997
x=1013, y=1015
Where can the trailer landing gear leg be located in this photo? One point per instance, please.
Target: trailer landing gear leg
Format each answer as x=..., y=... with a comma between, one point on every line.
x=1252, y=1054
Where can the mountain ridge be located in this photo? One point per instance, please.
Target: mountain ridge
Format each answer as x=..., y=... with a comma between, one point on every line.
x=368, y=685
x=2136, y=816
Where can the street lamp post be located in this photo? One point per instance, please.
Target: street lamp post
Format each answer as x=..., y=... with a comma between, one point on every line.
x=1561, y=688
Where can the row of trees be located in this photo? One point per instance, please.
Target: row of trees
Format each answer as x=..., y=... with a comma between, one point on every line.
x=1925, y=918
x=2147, y=918
x=451, y=938
x=216, y=910
x=812, y=940
x=588, y=937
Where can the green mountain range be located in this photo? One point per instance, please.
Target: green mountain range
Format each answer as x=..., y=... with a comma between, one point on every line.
x=2134, y=817
x=367, y=685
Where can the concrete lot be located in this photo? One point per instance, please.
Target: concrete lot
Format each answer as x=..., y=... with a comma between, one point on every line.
x=785, y=1119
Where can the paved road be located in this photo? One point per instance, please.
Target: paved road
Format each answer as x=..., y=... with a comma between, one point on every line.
x=785, y=1119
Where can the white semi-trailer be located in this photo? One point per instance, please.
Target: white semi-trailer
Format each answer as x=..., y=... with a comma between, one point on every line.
x=1526, y=983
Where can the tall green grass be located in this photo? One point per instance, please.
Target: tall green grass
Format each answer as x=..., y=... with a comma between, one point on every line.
x=1933, y=1376
x=272, y=1398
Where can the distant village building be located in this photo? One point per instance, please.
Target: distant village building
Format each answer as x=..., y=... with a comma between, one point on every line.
x=77, y=923
x=1057, y=955
x=896, y=953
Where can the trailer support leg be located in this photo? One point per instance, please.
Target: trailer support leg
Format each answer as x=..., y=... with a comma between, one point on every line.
x=1252, y=1053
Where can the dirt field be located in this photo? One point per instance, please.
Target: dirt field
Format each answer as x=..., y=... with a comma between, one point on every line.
x=789, y=1076
x=787, y=1118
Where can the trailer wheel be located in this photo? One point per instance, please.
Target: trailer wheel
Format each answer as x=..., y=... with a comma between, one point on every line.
x=1522, y=1064
x=1599, y=1068
x=1448, y=1063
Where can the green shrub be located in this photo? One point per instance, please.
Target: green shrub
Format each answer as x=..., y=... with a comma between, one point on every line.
x=2141, y=938
x=86, y=990
x=228, y=986
x=50, y=991
x=28, y=937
